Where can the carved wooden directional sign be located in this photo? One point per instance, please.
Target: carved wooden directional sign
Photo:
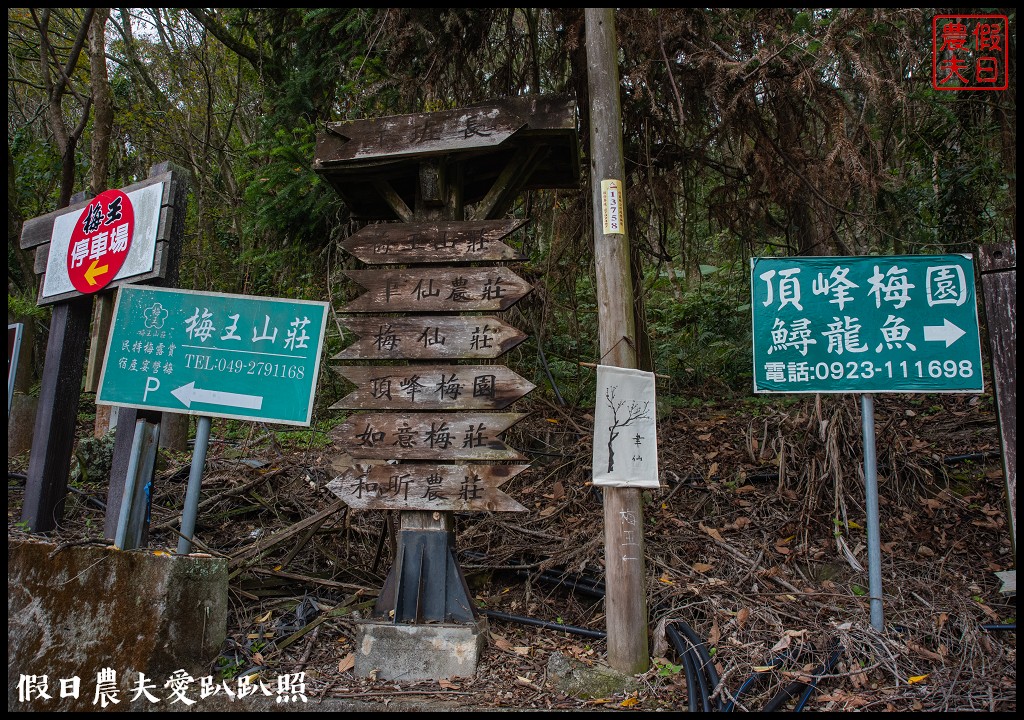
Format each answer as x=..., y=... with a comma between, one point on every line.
x=432, y=387
x=434, y=242
x=413, y=486
x=415, y=436
x=410, y=135
x=429, y=337
x=437, y=290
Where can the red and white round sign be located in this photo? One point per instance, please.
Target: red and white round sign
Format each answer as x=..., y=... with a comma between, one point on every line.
x=100, y=241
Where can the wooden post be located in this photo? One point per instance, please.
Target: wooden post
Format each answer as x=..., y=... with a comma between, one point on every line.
x=172, y=228
x=53, y=439
x=998, y=266
x=625, y=583
x=102, y=312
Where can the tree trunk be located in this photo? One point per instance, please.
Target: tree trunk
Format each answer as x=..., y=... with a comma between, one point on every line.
x=102, y=100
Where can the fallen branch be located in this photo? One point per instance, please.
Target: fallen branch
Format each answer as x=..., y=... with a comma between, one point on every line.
x=310, y=579
x=332, y=614
x=263, y=544
x=210, y=501
x=750, y=563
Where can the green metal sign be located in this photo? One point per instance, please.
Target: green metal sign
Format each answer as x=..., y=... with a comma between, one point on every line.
x=903, y=323
x=213, y=354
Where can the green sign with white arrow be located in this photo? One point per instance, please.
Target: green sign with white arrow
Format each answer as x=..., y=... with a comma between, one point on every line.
x=214, y=354
x=904, y=323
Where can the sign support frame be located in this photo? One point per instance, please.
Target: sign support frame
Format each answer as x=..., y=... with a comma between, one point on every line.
x=873, y=529
x=13, y=353
x=195, y=480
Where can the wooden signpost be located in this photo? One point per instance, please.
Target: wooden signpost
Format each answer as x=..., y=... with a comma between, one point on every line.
x=414, y=436
x=432, y=387
x=437, y=290
x=441, y=337
x=421, y=170
x=437, y=242
x=427, y=486
x=408, y=135
x=61, y=259
x=998, y=266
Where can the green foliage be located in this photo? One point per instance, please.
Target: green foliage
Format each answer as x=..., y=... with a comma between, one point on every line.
x=315, y=437
x=19, y=307
x=288, y=212
x=228, y=668
x=702, y=334
x=93, y=459
x=665, y=668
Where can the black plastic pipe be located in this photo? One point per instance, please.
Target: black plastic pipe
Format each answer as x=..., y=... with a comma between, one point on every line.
x=705, y=657
x=753, y=680
x=596, y=634
x=798, y=687
x=827, y=667
x=696, y=682
x=577, y=583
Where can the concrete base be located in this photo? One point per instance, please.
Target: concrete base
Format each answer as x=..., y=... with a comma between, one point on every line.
x=75, y=612
x=419, y=652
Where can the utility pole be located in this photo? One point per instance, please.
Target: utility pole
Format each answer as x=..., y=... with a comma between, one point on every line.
x=625, y=578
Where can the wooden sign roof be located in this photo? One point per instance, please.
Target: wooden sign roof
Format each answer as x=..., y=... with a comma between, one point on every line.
x=373, y=162
x=412, y=486
x=433, y=133
x=427, y=436
x=434, y=242
x=437, y=290
x=432, y=387
x=429, y=337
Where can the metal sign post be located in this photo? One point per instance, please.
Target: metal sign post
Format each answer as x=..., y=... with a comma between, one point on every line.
x=195, y=479
x=13, y=350
x=874, y=532
x=135, y=502
x=906, y=323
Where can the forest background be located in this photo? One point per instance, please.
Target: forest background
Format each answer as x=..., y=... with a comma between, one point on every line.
x=746, y=132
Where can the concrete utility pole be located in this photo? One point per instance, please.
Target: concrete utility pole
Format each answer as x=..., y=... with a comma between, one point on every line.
x=625, y=583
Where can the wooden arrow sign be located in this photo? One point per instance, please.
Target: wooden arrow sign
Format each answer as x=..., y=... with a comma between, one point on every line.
x=434, y=242
x=427, y=487
x=418, y=134
x=427, y=436
x=437, y=290
x=429, y=338
x=432, y=387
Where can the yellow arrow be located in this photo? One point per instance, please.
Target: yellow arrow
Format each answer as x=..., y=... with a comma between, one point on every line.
x=93, y=272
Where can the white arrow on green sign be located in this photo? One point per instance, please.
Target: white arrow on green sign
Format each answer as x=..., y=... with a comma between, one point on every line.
x=904, y=323
x=214, y=354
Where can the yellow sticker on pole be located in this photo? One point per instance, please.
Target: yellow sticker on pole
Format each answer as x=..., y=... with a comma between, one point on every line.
x=613, y=207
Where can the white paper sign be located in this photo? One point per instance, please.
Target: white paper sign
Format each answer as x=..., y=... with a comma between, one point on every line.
x=625, y=429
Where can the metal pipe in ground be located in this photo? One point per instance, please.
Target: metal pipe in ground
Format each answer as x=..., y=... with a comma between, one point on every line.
x=867, y=409
x=129, y=485
x=195, y=479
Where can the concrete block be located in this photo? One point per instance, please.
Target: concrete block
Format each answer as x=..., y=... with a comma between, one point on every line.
x=79, y=611
x=419, y=652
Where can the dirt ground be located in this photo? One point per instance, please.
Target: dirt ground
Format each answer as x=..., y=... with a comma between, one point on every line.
x=755, y=542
